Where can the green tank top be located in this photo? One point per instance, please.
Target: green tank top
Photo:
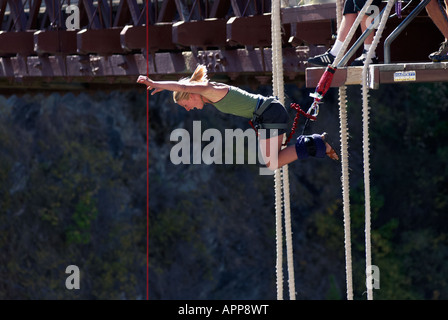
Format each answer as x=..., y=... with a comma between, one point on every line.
x=238, y=102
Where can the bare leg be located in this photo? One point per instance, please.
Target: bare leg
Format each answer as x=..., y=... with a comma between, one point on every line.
x=273, y=155
x=364, y=27
x=346, y=23
x=438, y=17
x=281, y=156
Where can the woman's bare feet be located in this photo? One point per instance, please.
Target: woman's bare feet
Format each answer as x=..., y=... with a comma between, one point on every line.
x=329, y=149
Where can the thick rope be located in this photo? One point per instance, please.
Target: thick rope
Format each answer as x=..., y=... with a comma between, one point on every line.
x=345, y=189
x=281, y=175
x=279, y=233
x=288, y=233
x=345, y=173
x=366, y=147
x=339, y=10
x=350, y=34
x=277, y=174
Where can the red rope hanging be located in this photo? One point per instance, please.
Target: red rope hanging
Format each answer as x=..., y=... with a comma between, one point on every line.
x=296, y=106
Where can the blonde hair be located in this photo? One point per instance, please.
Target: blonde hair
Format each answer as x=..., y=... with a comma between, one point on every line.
x=199, y=75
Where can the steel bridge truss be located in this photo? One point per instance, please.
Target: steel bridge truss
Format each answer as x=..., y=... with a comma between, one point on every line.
x=111, y=42
x=59, y=43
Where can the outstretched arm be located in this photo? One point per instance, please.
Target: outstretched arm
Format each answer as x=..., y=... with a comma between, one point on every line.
x=157, y=86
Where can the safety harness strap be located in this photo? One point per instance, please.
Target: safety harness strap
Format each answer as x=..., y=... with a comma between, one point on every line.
x=261, y=107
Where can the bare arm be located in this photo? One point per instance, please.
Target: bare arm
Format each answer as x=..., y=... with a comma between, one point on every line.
x=172, y=86
x=211, y=91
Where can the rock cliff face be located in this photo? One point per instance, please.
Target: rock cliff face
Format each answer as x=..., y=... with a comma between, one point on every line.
x=73, y=191
x=222, y=243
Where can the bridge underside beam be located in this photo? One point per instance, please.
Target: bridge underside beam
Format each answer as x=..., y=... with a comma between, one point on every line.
x=123, y=68
x=111, y=46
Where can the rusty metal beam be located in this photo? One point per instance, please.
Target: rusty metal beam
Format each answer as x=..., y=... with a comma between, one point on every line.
x=20, y=42
x=205, y=33
x=101, y=41
x=133, y=38
x=317, y=12
x=160, y=37
x=231, y=63
x=56, y=42
x=249, y=31
x=46, y=67
x=312, y=33
x=106, y=55
x=161, y=65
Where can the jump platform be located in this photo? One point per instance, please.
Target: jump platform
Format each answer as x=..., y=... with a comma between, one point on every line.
x=383, y=74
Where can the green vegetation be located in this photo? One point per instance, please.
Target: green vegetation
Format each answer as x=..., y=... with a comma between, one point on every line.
x=408, y=197
x=63, y=201
x=73, y=191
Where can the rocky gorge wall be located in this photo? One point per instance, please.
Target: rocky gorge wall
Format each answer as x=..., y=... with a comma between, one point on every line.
x=73, y=191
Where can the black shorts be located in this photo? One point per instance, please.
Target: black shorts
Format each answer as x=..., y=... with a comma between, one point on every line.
x=354, y=6
x=274, y=113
